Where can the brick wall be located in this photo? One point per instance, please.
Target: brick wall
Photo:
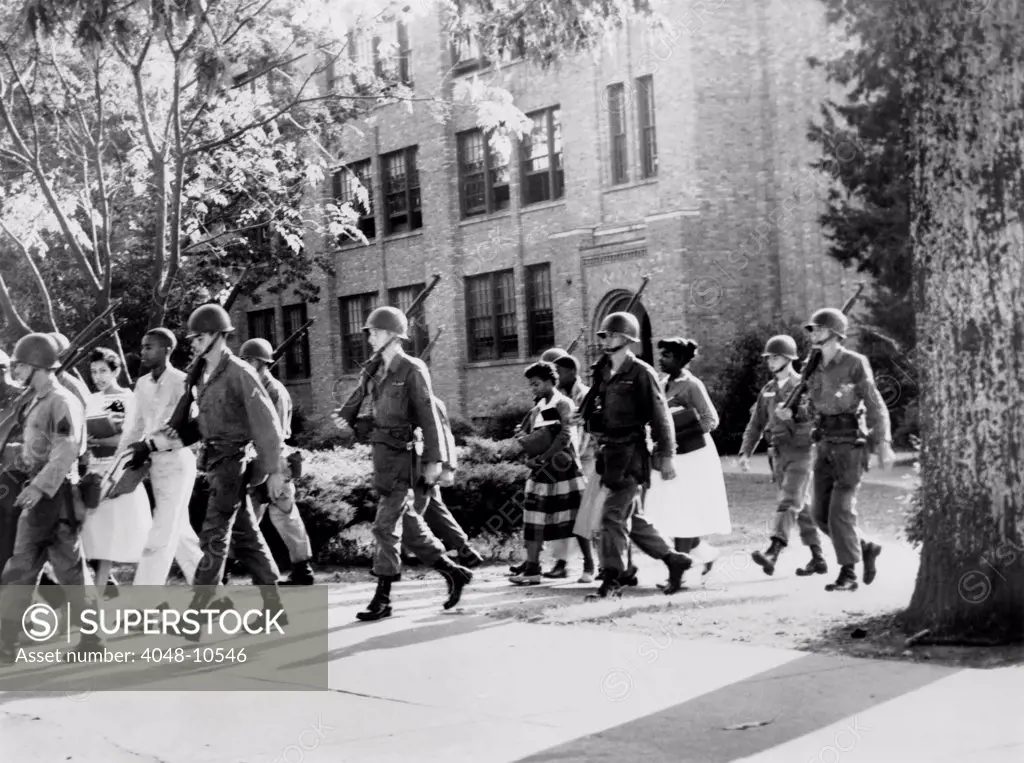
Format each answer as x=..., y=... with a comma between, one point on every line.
x=727, y=230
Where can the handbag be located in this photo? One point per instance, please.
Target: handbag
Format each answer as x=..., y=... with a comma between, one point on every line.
x=689, y=435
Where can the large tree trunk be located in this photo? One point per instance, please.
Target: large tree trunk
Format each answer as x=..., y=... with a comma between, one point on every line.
x=968, y=197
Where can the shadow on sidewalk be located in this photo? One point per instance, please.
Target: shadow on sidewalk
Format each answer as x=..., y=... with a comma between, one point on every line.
x=796, y=699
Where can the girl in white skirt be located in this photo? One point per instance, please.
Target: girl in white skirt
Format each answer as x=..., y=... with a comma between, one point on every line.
x=115, y=531
x=694, y=504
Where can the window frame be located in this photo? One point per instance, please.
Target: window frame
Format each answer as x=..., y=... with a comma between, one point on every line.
x=297, y=363
x=367, y=221
x=647, y=126
x=350, y=364
x=489, y=172
x=537, y=340
x=503, y=345
x=413, y=212
x=618, y=142
x=555, y=170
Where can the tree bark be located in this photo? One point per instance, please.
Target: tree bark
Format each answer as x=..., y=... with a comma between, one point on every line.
x=968, y=245
x=15, y=327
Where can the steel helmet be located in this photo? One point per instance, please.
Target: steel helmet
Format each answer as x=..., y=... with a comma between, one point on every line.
x=257, y=349
x=209, y=319
x=550, y=356
x=782, y=344
x=620, y=323
x=37, y=350
x=63, y=343
x=831, y=319
x=389, y=319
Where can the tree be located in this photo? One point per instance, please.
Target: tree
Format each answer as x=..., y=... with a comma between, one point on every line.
x=865, y=141
x=132, y=135
x=968, y=247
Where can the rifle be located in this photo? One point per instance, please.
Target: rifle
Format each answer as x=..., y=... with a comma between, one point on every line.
x=287, y=343
x=77, y=352
x=792, y=400
x=430, y=345
x=592, y=402
x=350, y=409
x=576, y=341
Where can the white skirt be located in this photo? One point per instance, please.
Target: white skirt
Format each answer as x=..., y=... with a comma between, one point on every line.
x=117, y=530
x=588, y=518
x=694, y=504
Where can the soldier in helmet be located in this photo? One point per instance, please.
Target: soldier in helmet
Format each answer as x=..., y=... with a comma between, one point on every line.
x=49, y=525
x=283, y=511
x=9, y=485
x=836, y=391
x=789, y=444
x=233, y=411
x=402, y=402
x=628, y=397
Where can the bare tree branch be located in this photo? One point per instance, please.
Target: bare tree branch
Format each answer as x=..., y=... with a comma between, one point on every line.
x=43, y=291
x=16, y=326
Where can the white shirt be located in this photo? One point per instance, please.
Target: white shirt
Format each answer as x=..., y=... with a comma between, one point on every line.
x=155, y=401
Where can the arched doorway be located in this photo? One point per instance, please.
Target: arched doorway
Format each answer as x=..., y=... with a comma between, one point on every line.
x=616, y=301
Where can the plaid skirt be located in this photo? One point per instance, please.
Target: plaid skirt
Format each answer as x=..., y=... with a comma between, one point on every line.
x=552, y=500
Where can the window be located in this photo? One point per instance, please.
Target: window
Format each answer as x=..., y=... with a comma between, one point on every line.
x=483, y=182
x=419, y=333
x=401, y=191
x=355, y=345
x=387, y=55
x=617, y=132
x=541, y=157
x=491, y=316
x=645, y=118
x=468, y=56
x=296, y=358
x=540, y=317
x=263, y=325
x=347, y=182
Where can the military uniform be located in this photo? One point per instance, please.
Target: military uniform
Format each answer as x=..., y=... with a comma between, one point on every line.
x=283, y=512
x=790, y=454
x=234, y=410
x=10, y=483
x=837, y=390
x=53, y=433
x=632, y=399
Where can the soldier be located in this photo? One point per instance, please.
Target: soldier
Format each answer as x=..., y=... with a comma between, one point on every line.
x=402, y=401
x=172, y=467
x=630, y=398
x=9, y=484
x=234, y=411
x=49, y=525
x=789, y=448
x=283, y=512
x=429, y=502
x=842, y=383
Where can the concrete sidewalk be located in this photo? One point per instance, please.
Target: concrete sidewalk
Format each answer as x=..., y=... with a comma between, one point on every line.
x=431, y=686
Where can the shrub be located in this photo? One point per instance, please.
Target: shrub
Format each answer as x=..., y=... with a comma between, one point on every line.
x=337, y=501
x=319, y=434
x=503, y=418
x=462, y=429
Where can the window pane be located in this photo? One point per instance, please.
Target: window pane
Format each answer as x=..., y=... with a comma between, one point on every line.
x=541, y=314
x=355, y=347
x=296, y=359
x=505, y=307
x=480, y=326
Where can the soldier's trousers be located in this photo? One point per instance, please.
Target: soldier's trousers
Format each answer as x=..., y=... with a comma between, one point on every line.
x=46, y=532
x=396, y=522
x=229, y=516
x=431, y=506
x=10, y=486
x=284, y=515
x=838, y=468
x=624, y=520
x=792, y=473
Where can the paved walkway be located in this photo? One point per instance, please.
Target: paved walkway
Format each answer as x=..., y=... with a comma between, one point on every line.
x=431, y=686
x=898, y=476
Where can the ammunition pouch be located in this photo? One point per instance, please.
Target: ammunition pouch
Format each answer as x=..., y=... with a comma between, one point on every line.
x=841, y=427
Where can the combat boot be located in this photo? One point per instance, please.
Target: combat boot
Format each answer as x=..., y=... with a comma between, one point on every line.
x=456, y=577
x=469, y=557
x=869, y=551
x=628, y=577
x=271, y=605
x=677, y=563
x=766, y=561
x=817, y=565
x=611, y=586
x=301, y=574
x=847, y=580
x=559, y=571
x=380, y=605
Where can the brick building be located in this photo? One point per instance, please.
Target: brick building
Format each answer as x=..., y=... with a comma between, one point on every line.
x=679, y=154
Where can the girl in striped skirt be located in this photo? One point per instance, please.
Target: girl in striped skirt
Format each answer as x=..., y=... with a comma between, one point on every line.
x=555, y=485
